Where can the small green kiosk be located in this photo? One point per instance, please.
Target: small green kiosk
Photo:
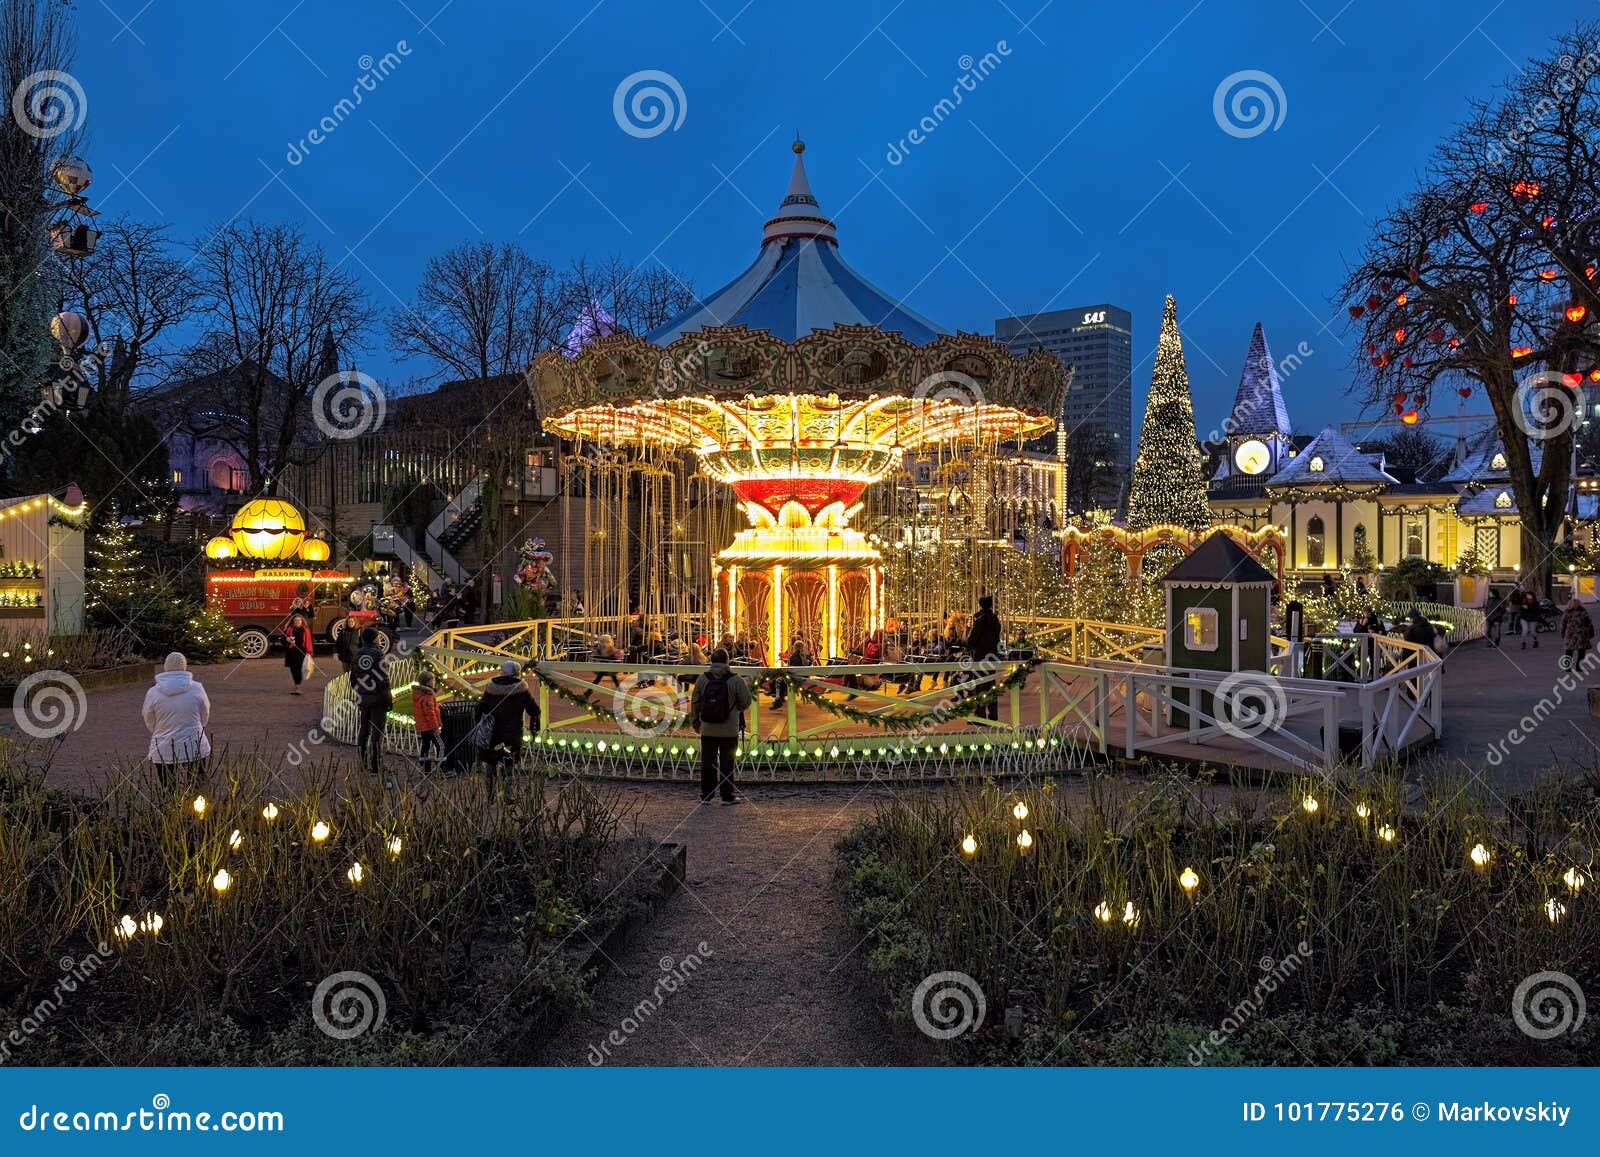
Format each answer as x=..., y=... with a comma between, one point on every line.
x=1219, y=602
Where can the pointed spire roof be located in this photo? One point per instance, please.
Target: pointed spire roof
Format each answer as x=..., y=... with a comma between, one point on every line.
x=798, y=213
x=1330, y=459
x=1258, y=409
x=798, y=283
x=593, y=321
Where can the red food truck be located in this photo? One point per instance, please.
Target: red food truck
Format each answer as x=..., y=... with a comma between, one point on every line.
x=259, y=602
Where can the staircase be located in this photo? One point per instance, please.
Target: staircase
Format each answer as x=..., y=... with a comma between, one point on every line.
x=389, y=542
x=462, y=515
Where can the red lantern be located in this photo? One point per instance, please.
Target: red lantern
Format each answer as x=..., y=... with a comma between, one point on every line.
x=1512, y=300
x=1414, y=275
x=1399, y=335
x=1525, y=189
x=1588, y=271
x=1455, y=343
x=1576, y=313
x=1547, y=222
x=1573, y=380
x=1399, y=409
x=1374, y=301
x=1548, y=274
x=1406, y=362
x=1357, y=311
x=1594, y=374
x=1402, y=299
x=1465, y=391
x=1399, y=397
x=1436, y=336
x=1372, y=349
x=1409, y=417
x=1521, y=351
x=1383, y=287
x=1479, y=206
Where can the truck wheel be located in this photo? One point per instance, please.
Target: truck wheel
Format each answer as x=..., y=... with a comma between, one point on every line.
x=253, y=643
x=384, y=642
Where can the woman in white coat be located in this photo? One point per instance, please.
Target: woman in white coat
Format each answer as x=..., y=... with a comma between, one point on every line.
x=176, y=711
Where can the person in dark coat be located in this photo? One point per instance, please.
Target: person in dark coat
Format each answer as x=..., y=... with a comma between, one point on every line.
x=1494, y=618
x=983, y=644
x=1421, y=631
x=1577, y=634
x=348, y=642
x=297, y=650
x=369, y=679
x=1528, y=618
x=505, y=702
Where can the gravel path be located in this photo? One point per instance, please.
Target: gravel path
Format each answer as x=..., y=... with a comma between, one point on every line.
x=778, y=986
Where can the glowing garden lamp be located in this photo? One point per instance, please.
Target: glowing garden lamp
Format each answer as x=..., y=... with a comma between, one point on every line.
x=126, y=928
x=199, y=805
x=394, y=845
x=1130, y=915
x=270, y=812
x=356, y=873
x=1554, y=910
x=1574, y=880
x=1189, y=880
x=1481, y=855
x=320, y=831
x=1362, y=810
x=1310, y=804
x=235, y=840
x=969, y=845
x=222, y=881
x=151, y=923
x=1387, y=834
x=1102, y=912
x=1024, y=840
x=1020, y=811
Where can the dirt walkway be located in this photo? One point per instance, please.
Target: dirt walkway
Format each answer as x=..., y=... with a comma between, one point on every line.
x=778, y=985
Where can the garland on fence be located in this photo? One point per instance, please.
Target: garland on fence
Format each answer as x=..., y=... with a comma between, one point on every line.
x=963, y=704
x=580, y=701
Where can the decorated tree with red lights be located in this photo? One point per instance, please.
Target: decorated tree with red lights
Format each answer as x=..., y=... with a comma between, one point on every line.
x=1483, y=279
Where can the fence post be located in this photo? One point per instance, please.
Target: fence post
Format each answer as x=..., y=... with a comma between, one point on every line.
x=1330, y=733
x=1130, y=712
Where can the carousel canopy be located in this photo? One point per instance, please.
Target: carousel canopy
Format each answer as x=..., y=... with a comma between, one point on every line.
x=798, y=283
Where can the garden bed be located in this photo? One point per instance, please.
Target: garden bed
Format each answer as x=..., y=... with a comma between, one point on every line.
x=144, y=929
x=1157, y=926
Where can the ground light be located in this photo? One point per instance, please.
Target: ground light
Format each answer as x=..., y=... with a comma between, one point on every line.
x=970, y=845
x=1189, y=880
x=270, y=812
x=1481, y=855
x=320, y=831
x=1554, y=910
x=1574, y=880
x=1024, y=840
x=356, y=873
x=1020, y=811
x=222, y=881
x=1102, y=912
x=199, y=805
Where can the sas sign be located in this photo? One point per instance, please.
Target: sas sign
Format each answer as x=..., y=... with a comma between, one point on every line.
x=1094, y=318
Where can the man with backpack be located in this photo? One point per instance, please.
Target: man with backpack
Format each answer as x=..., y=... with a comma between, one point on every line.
x=716, y=710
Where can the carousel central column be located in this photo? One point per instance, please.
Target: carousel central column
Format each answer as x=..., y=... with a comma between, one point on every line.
x=775, y=625
x=833, y=613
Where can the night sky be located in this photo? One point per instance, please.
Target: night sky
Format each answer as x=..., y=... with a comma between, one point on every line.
x=1086, y=166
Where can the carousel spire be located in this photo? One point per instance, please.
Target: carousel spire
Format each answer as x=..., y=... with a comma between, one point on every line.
x=798, y=214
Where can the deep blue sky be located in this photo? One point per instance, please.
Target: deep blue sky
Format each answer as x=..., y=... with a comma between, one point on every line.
x=499, y=124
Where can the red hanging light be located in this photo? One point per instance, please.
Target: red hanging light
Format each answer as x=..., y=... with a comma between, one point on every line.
x=1402, y=299
x=1594, y=374
x=1399, y=335
x=1374, y=301
x=1479, y=206
x=1357, y=310
x=1414, y=275
x=1383, y=286
x=1465, y=391
x=1409, y=417
x=1573, y=380
x=1436, y=336
x=1399, y=409
x=1521, y=351
x=1525, y=189
x=1512, y=299
x=1576, y=313
x=1548, y=274
x=1455, y=343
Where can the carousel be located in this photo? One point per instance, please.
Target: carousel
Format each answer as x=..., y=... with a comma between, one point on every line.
x=799, y=391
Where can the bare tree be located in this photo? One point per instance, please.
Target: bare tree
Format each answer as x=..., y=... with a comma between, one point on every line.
x=132, y=291
x=43, y=109
x=278, y=315
x=1416, y=449
x=638, y=299
x=1484, y=276
x=481, y=311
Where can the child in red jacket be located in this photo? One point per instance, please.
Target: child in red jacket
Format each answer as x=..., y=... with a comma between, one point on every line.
x=425, y=713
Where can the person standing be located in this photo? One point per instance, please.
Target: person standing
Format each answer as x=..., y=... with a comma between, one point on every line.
x=430, y=728
x=504, y=703
x=795, y=658
x=469, y=603
x=369, y=678
x=1528, y=619
x=176, y=711
x=607, y=651
x=346, y=645
x=716, y=711
x=297, y=651
x=983, y=645
x=1294, y=629
x=1421, y=631
x=1577, y=634
x=1494, y=618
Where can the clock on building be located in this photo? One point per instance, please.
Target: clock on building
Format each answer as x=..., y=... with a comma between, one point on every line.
x=1252, y=457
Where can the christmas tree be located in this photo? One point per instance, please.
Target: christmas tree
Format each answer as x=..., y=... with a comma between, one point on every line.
x=1169, y=483
x=115, y=576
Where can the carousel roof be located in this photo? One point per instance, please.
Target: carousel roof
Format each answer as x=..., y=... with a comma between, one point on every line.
x=798, y=283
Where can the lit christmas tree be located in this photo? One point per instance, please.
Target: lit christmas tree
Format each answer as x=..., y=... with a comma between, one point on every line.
x=115, y=576
x=1169, y=483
